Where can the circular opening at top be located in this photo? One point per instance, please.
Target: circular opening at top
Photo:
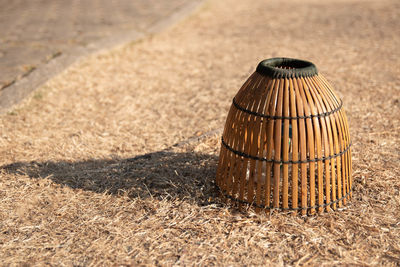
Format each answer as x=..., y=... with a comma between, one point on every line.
x=286, y=68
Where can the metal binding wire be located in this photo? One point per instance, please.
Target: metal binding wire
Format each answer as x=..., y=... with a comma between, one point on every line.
x=285, y=117
x=242, y=154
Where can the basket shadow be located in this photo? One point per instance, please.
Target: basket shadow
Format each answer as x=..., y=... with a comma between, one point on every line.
x=160, y=175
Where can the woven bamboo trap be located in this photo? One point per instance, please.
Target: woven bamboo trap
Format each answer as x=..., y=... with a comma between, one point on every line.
x=286, y=142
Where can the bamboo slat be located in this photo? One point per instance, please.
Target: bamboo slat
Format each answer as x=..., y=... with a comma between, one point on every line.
x=286, y=142
x=295, y=145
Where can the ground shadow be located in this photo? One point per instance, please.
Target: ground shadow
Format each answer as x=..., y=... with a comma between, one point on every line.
x=160, y=174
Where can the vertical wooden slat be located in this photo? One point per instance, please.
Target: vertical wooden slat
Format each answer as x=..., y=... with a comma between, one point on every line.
x=285, y=147
x=338, y=142
x=351, y=172
x=342, y=136
x=270, y=140
x=303, y=145
x=325, y=140
x=333, y=96
x=314, y=102
x=253, y=137
x=277, y=144
x=220, y=181
x=239, y=136
x=310, y=144
x=243, y=91
x=345, y=172
x=347, y=155
x=295, y=144
x=343, y=119
x=225, y=155
x=261, y=140
x=342, y=144
x=331, y=130
x=244, y=142
x=231, y=137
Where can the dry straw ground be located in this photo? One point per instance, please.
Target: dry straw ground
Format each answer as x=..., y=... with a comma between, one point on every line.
x=85, y=179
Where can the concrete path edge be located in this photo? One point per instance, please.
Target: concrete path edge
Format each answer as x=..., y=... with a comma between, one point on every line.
x=14, y=94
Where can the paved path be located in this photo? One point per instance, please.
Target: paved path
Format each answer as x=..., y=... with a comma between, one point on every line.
x=37, y=31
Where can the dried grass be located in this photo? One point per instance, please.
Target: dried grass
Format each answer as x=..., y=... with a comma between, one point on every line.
x=86, y=178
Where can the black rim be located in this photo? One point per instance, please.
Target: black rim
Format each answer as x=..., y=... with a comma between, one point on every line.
x=281, y=67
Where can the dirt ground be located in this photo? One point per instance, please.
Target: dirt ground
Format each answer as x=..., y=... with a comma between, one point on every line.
x=89, y=174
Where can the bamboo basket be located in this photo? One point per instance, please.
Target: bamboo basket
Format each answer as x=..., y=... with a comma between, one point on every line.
x=286, y=142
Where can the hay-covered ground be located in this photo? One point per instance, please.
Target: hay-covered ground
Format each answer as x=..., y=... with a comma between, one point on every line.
x=89, y=175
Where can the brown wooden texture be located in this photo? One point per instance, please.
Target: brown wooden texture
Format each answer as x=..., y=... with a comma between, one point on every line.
x=286, y=146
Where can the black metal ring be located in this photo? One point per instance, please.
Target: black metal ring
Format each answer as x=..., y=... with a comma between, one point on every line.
x=285, y=117
x=242, y=154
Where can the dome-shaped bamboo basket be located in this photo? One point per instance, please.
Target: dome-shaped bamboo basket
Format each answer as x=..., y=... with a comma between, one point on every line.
x=286, y=142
